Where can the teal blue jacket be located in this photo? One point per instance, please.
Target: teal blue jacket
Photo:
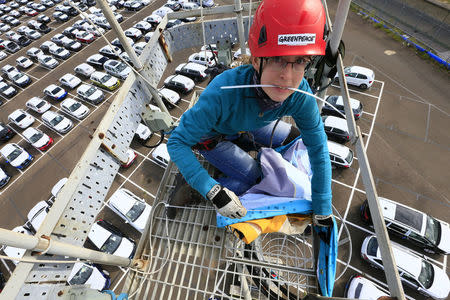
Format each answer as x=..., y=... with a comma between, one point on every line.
x=229, y=111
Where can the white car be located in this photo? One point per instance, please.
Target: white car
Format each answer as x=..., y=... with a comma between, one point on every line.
x=139, y=47
x=109, y=239
x=90, y=275
x=143, y=26
x=37, y=138
x=16, y=156
x=75, y=108
x=90, y=93
x=36, y=216
x=117, y=68
x=105, y=80
x=57, y=122
x=148, y=36
x=153, y=19
x=162, y=11
x=24, y=62
x=19, y=78
x=4, y=177
x=39, y=105
x=110, y=51
x=32, y=34
x=55, y=92
x=358, y=76
x=131, y=208
x=415, y=271
x=203, y=58
x=161, y=156
x=7, y=90
x=34, y=52
x=21, y=118
x=340, y=156
x=170, y=97
x=13, y=251
x=179, y=83
x=3, y=55
x=133, y=33
x=70, y=80
x=359, y=287
x=143, y=133
x=4, y=27
x=84, y=69
x=48, y=61
x=59, y=52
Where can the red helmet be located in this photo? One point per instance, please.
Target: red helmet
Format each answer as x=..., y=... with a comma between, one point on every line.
x=288, y=27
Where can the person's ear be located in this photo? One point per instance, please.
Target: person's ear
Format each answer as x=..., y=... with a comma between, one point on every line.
x=255, y=62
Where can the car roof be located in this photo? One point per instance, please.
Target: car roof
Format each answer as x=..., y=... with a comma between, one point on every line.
x=98, y=234
x=39, y=206
x=123, y=200
x=402, y=214
x=35, y=100
x=335, y=148
x=336, y=122
x=405, y=260
x=17, y=113
x=362, y=70
x=30, y=131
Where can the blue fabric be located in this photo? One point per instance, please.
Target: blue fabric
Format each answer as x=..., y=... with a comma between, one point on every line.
x=233, y=110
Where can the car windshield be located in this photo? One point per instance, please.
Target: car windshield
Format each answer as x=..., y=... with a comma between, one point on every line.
x=426, y=275
x=47, y=59
x=20, y=118
x=4, y=87
x=433, y=230
x=121, y=67
x=111, y=244
x=82, y=275
x=36, y=137
x=136, y=211
x=40, y=104
x=59, y=50
x=347, y=70
x=55, y=121
x=90, y=91
x=22, y=60
x=56, y=90
x=13, y=155
x=17, y=76
x=105, y=78
x=372, y=247
x=74, y=106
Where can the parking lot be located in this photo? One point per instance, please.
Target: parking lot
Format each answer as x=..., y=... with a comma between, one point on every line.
x=406, y=113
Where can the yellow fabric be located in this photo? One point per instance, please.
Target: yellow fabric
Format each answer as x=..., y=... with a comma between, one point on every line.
x=289, y=224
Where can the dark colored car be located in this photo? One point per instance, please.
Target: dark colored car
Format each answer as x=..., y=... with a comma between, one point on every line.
x=43, y=19
x=338, y=103
x=336, y=129
x=23, y=41
x=173, y=6
x=6, y=133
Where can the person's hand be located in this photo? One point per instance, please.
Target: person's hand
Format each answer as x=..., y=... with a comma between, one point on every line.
x=226, y=202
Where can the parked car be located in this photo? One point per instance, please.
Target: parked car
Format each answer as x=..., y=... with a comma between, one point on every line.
x=143, y=133
x=173, y=23
x=21, y=118
x=336, y=129
x=43, y=19
x=96, y=60
x=338, y=103
x=37, y=138
x=340, y=155
x=358, y=76
x=34, y=52
x=415, y=271
x=162, y=11
x=6, y=69
x=38, y=105
x=359, y=287
x=170, y=98
x=117, y=68
x=6, y=90
x=3, y=55
x=60, y=16
x=133, y=33
x=139, y=47
x=428, y=233
x=194, y=71
x=11, y=47
x=16, y=156
x=70, y=80
x=85, y=37
x=55, y=92
x=4, y=177
x=24, y=62
x=57, y=38
x=107, y=238
x=48, y=61
x=75, y=108
x=102, y=22
x=161, y=156
x=130, y=208
x=84, y=69
x=60, y=52
x=91, y=275
x=143, y=26
x=57, y=121
x=36, y=216
x=45, y=46
x=179, y=83
x=32, y=34
x=19, y=78
x=90, y=94
x=5, y=132
x=71, y=32
x=204, y=58
x=4, y=27
x=110, y=51
x=133, y=5
x=117, y=43
x=105, y=80
x=71, y=45
x=153, y=19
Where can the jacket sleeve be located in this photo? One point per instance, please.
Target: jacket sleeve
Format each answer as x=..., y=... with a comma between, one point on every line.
x=195, y=123
x=309, y=122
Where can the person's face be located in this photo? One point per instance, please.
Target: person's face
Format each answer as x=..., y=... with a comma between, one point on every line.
x=277, y=72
